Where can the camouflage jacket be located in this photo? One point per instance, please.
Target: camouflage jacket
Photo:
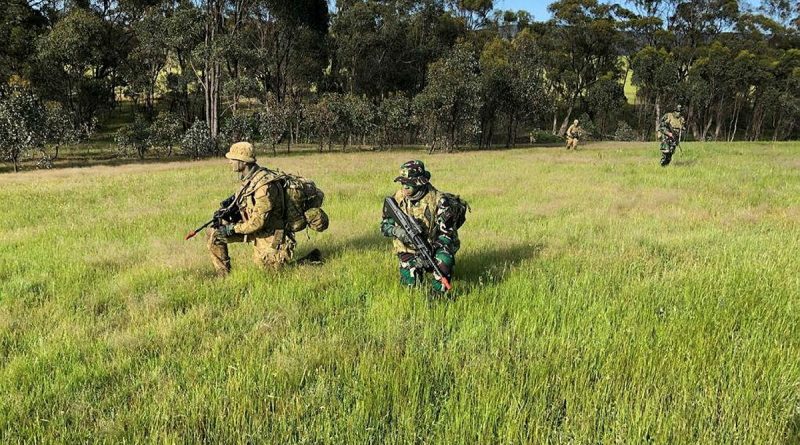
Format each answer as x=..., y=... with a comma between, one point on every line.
x=671, y=122
x=261, y=204
x=574, y=131
x=428, y=213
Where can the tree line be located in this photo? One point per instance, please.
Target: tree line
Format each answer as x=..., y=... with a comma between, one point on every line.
x=445, y=73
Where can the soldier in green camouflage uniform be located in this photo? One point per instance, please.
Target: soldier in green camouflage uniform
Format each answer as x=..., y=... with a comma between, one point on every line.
x=261, y=204
x=422, y=201
x=669, y=129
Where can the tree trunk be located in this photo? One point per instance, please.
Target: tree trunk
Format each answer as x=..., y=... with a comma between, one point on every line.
x=565, y=122
x=706, y=128
x=491, y=134
x=718, y=127
x=514, y=133
x=658, y=115
x=510, y=129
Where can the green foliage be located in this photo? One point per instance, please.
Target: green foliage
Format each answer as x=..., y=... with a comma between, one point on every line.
x=606, y=99
x=731, y=67
x=447, y=109
x=539, y=136
x=581, y=45
x=273, y=121
x=74, y=60
x=23, y=120
x=590, y=130
x=197, y=141
x=134, y=139
x=394, y=119
x=166, y=131
x=624, y=132
x=20, y=25
x=240, y=127
x=322, y=120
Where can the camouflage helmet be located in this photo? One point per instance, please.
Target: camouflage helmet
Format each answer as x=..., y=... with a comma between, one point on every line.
x=413, y=173
x=241, y=151
x=575, y=122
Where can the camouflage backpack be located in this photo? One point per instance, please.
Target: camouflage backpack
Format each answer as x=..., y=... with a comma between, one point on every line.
x=452, y=210
x=303, y=202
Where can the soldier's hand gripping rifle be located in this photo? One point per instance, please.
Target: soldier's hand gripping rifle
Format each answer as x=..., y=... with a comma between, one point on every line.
x=417, y=237
x=228, y=211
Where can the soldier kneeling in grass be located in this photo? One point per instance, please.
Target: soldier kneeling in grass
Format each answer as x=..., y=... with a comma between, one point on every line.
x=267, y=210
x=424, y=223
x=261, y=209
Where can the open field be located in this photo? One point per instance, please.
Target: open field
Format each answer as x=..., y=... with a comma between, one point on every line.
x=599, y=299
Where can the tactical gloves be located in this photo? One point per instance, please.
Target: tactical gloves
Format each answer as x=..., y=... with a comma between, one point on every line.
x=226, y=231
x=400, y=233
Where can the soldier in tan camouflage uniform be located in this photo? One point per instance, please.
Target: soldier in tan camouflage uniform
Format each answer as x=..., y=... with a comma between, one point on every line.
x=261, y=203
x=573, y=135
x=421, y=200
x=670, y=129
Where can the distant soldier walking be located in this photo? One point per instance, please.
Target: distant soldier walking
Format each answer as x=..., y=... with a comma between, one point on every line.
x=436, y=215
x=574, y=133
x=261, y=205
x=670, y=128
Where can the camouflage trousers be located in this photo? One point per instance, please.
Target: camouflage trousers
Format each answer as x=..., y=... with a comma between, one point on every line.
x=269, y=252
x=668, y=147
x=572, y=143
x=412, y=271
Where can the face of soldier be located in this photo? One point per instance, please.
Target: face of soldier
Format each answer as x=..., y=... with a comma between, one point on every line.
x=237, y=166
x=408, y=190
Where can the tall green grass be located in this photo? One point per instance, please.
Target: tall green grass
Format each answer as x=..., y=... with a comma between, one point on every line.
x=598, y=299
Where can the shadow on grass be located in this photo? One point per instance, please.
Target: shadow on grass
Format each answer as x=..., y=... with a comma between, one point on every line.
x=792, y=435
x=100, y=161
x=365, y=241
x=94, y=155
x=489, y=267
x=684, y=162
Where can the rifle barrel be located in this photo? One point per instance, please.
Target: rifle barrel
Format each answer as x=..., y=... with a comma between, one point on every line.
x=197, y=230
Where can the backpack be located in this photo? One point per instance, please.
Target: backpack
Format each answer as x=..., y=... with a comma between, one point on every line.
x=452, y=210
x=303, y=201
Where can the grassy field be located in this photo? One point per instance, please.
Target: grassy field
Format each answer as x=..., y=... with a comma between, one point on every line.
x=599, y=299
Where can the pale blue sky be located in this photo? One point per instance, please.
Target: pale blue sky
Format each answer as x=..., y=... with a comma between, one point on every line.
x=539, y=7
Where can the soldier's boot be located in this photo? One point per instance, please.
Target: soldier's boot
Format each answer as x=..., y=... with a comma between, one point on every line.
x=219, y=254
x=666, y=158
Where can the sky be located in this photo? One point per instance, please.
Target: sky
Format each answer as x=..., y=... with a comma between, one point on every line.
x=539, y=7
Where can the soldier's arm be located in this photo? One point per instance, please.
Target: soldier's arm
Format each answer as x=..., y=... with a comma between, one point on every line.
x=388, y=223
x=387, y=226
x=264, y=196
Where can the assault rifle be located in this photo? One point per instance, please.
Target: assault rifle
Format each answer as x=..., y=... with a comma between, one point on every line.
x=418, y=239
x=228, y=212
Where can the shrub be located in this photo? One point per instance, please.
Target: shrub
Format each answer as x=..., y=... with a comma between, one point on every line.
x=197, y=141
x=624, y=132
